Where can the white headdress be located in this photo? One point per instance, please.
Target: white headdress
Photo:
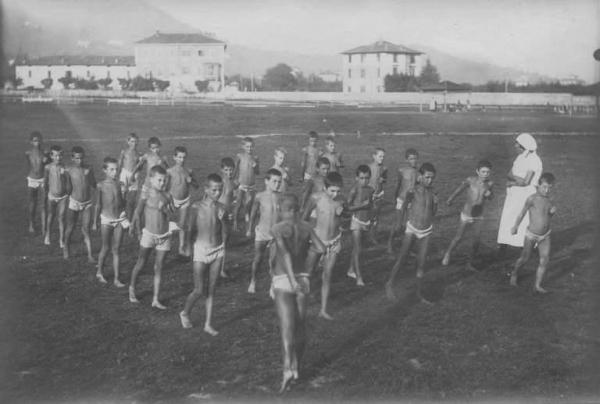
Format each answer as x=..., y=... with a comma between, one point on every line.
x=527, y=141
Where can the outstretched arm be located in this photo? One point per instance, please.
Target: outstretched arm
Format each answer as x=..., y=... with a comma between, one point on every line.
x=309, y=208
x=253, y=213
x=463, y=185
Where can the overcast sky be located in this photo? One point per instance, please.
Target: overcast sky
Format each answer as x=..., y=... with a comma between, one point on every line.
x=553, y=37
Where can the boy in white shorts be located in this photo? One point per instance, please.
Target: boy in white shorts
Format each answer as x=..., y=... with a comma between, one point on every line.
x=36, y=159
x=55, y=185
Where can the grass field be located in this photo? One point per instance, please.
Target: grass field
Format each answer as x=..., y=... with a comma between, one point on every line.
x=64, y=337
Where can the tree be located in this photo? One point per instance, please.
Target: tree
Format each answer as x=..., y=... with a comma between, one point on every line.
x=83, y=84
x=47, y=82
x=202, y=85
x=429, y=74
x=400, y=82
x=125, y=84
x=139, y=83
x=161, y=85
x=280, y=78
x=66, y=81
x=104, y=83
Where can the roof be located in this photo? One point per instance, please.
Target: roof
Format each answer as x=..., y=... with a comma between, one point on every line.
x=163, y=38
x=445, y=86
x=80, y=60
x=383, y=47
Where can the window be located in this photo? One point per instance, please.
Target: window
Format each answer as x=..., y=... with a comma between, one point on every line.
x=411, y=70
x=395, y=58
x=108, y=73
x=378, y=72
x=379, y=57
x=350, y=58
x=362, y=73
x=68, y=74
x=186, y=52
x=49, y=74
x=362, y=89
x=87, y=73
x=29, y=73
x=349, y=73
x=362, y=57
x=200, y=53
x=412, y=58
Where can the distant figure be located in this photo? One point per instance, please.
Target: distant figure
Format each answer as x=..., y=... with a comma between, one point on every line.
x=310, y=155
x=246, y=170
x=37, y=158
x=432, y=105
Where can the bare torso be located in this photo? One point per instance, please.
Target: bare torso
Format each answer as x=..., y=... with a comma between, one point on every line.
x=179, y=179
x=111, y=198
x=358, y=196
x=36, y=159
x=227, y=196
x=328, y=213
x=335, y=161
x=156, y=211
x=476, y=190
x=378, y=177
x=57, y=186
x=208, y=221
x=82, y=182
x=129, y=159
x=311, y=155
x=268, y=203
x=423, y=205
x=409, y=179
x=296, y=237
x=539, y=214
x=247, y=169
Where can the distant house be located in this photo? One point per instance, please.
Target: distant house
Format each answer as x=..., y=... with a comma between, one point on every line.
x=33, y=71
x=365, y=67
x=182, y=59
x=329, y=77
x=572, y=80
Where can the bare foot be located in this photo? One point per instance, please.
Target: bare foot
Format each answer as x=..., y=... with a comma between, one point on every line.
x=359, y=282
x=470, y=267
x=209, y=330
x=91, y=260
x=224, y=275
x=446, y=260
x=31, y=229
x=539, y=289
x=158, y=305
x=132, y=297
x=252, y=287
x=351, y=274
x=185, y=320
x=61, y=244
x=513, y=280
x=118, y=283
x=390, y=250
x=101, y=278
x=288, y=376
x=323, y=314
x=389, y=291
x=65, y=253
x=47, y=240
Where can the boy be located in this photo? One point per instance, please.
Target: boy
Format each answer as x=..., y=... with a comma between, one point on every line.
x=266, y=204
x=360, y=200
x=80, y=185
x=246, y=170
x=421, y=204
x=128, y=174
x=208, y=230
x=290, y=284
x=227, y=199
x=378, y=179
x=334, y=157
x=36, y=159
x=328, y=205
x=540, y=209
x=55, y=185
x=110, y=208
x=279, y=157
x=407, y=178
x=151, y=158
x=179, y=180
x=157, y=206
x=479, y=189
x=310, y=154
x=317, y=181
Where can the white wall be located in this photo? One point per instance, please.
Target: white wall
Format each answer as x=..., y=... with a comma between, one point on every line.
x=33, y=75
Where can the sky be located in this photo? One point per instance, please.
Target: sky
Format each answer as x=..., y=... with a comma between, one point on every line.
x=550, y=37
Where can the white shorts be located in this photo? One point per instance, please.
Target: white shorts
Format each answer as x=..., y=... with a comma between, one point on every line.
x=261, y=235
x=160, y=242
x=379, y=195
x=357, y=224
x=307, y=176
x=410, y=229
x=79, y=206
x=333, y=246
x=247, y=188
x=56, y=199
x=282, y=282
x=536, y=237
x=399, y=203
x=183, y=203
x=469, y=219
x=122, y=221
x=208, y=255
x=35, y=183
x=128, y=180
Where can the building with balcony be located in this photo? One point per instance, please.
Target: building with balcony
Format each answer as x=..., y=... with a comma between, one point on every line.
x=182, y=59
x=364, y=68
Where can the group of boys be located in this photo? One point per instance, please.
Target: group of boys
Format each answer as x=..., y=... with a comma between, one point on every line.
x=295, y=234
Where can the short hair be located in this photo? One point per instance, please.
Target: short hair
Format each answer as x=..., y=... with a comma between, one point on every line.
x=272, y=172
x=248, y=139
x=154, y=140
x=180, y=149
x=411, y=152
x=484, y=163
x=35, y=134
x=334, y=179
x=281, y=150
x=214, y=178
x=427, y=167
x=107, y=161
x=132, y=135
x=157, y=169
x=548, y=178
x=56, y=148
x=364, y=169
x=379, y=149
x=330, y=139
x=289, y=202
x=227, y=162
x=323, y=161
x=77, y=150
x=313, y=135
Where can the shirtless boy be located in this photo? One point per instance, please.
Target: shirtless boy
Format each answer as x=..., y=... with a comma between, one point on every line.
x=421, y=204
x=377, y=181
x=328, y=205
x=55, y=184
x=540, y=209
x=246, y=170
x=317, y=181
x=150, y=159
x=36, y=159
x=156, y=205
x=227, y=199
x=407, y=178
x=279, y=165
x=266, y=205
x=179, y=180
x=334, y=157
x=110, y=209
x=479, y=189
x=310, y=155
x=360, y=199
x=80, y=185
x=207, y=230
x=290, y=284
x=128, y=174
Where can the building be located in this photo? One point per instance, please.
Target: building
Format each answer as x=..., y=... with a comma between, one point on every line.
x=182, y=59
x=329, y=77
x=572, y=80
x=364, y=68
x=33, y=71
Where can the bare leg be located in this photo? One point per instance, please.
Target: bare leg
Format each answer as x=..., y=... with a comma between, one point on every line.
x=50, y=219
x=33, y=198
x=141, y=261
x=222, y=272
x=116, y=244
x=106, y=234
x=130, y=202
x=183, y=247
x=475, y=245
x=43, y=212
x=158, y=266
x=300, y=334
x=404, y=249
x=259, y=250
x=354, y=271
x=236, y=209
x=60, y=216
x=71, y=219
x=199, y=268
x=286, y=311
x=421, y=261
x=525, y=254
x=396, y=226
x=213, y=275
x=459, y=234
x=86, y=221
x=544, y=251
x=326, y=285
x=248, y=207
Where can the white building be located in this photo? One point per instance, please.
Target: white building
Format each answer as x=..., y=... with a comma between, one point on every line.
x=182, y=59
x=364, y=68
x=32, y=72
x=329, y=77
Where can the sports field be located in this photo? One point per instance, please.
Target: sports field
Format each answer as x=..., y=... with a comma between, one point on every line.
x=65, y=337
